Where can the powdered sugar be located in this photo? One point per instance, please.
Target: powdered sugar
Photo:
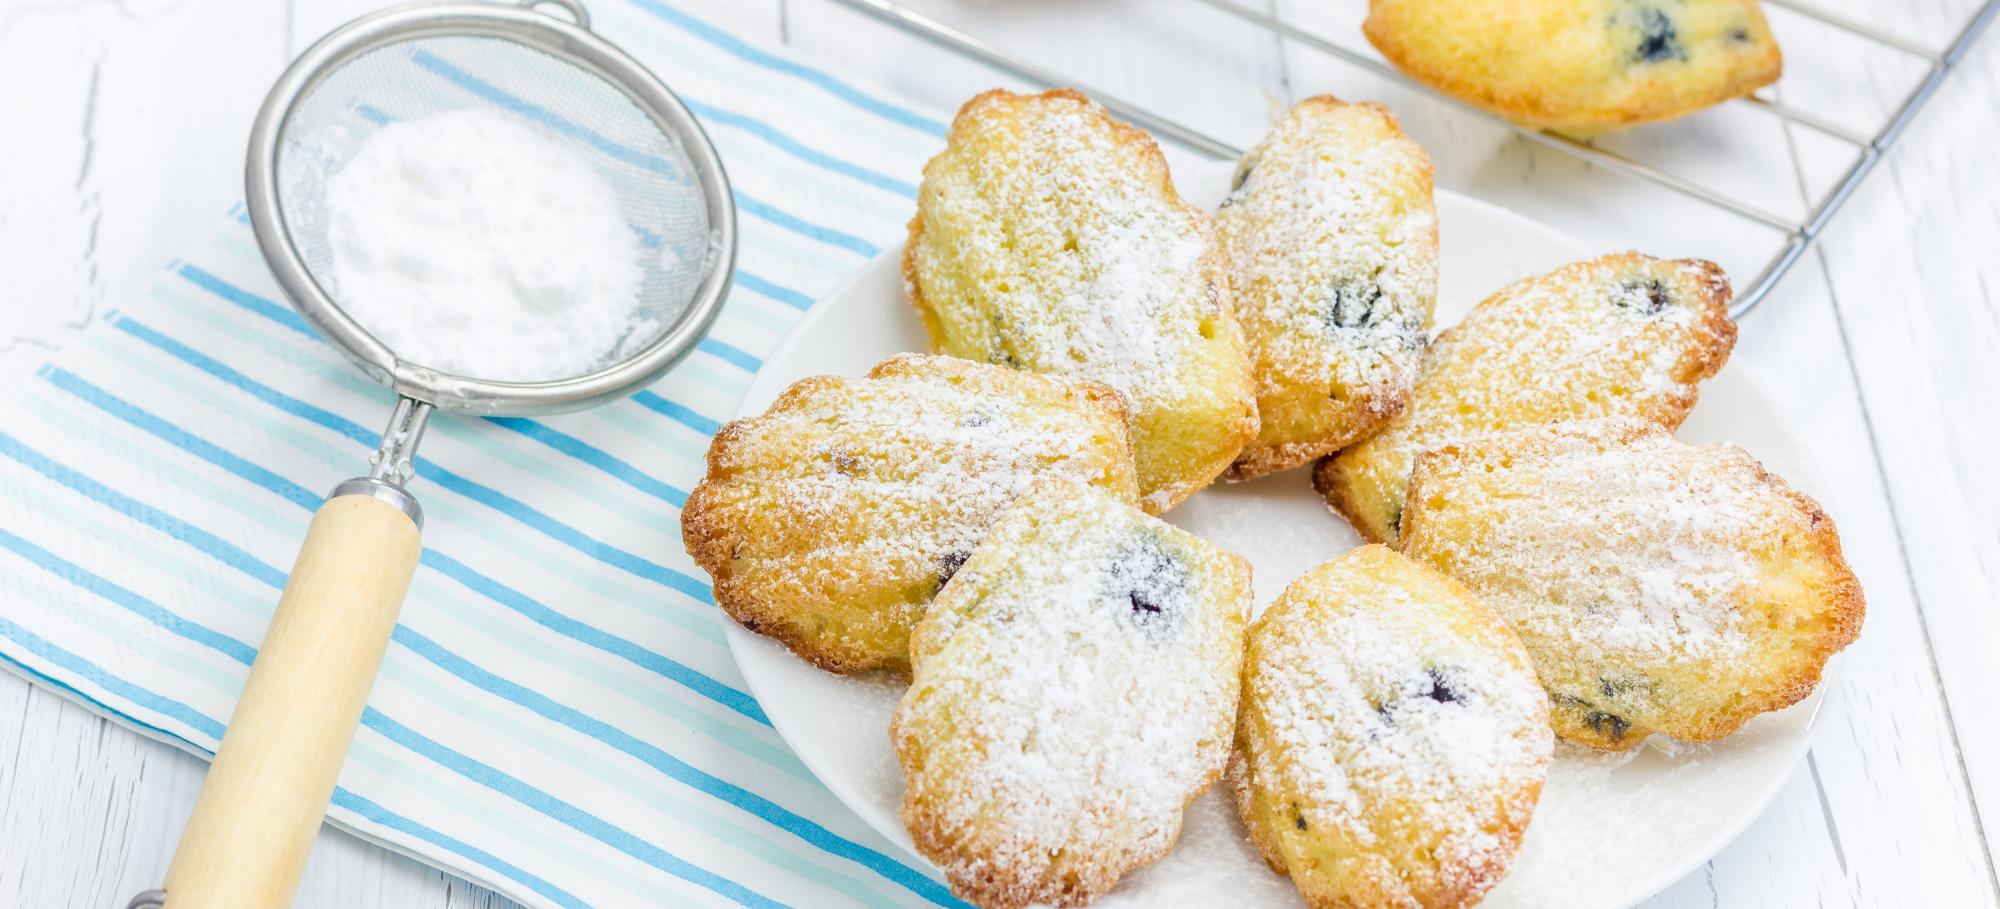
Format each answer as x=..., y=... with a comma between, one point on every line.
x=1049, y=238
x=1117, y=262
x=1330, y=241
x=830, y=521
x=944, y=453
x=1660, y=586
x=1620, y=335
x=1393, y=716
x=1074, y=689
x=471, y=243
x=1617, y=552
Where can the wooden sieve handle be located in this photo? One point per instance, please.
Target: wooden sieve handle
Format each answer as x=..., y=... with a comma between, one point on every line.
x=265, y=796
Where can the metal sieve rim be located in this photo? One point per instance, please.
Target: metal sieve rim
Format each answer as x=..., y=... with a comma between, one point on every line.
x=572, y=43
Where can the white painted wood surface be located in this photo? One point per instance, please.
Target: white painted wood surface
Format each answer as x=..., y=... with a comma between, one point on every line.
x=124, y=133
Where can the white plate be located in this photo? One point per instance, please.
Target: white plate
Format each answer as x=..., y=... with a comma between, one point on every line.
x=1608, y=832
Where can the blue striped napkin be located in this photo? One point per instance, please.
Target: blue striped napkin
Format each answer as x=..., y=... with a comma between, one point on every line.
x=558, y=716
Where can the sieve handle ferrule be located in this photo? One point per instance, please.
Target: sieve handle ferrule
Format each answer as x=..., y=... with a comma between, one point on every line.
x=394, y=461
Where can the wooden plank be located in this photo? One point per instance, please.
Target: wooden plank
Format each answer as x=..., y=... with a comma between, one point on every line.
x=112, y=164
x=83, y=808
x=1919, y=312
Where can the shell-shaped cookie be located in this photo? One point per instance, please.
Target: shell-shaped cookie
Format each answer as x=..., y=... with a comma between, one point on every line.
x=1048, y=237
x=1580, y=66
x=1075, y=686
x=1329, y=239
x=1659, y=586
x=1393, y=740
x=1620, y=335
x=831, y=520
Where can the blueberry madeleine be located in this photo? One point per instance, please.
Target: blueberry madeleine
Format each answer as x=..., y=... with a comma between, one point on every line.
x=1074, y=688
x=1624, y=334
x=1392, y=742
x=1048, y=237
x=1659, y=586
x=1580, y=66
x=831, y=520
x=1329, y=238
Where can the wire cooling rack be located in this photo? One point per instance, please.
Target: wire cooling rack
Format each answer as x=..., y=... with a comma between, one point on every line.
x=1868, y=147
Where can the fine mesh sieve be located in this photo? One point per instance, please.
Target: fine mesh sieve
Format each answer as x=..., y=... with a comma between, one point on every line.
x=539, y=65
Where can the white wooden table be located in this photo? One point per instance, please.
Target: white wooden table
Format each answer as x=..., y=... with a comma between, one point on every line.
x=123, y=134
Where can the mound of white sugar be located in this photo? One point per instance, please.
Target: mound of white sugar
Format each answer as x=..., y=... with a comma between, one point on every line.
x=470, y=243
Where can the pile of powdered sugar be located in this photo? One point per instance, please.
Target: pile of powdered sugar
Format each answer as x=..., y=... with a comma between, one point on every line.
x=473, y=244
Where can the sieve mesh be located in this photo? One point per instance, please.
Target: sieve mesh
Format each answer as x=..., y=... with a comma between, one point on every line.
x=421, y=77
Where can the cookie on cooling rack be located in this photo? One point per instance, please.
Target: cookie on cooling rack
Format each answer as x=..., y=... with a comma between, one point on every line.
x=1621, y=335
x=1329, y=238
x=1074, y=689
x=1048, y=237
x=1393, y=740
x=1659, y=586
x=829, y=522
x=1580, y=66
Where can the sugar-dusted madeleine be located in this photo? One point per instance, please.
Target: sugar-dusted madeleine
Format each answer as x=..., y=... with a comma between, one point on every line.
x=1659, y=586
x=1620, y=335
x=1074, y=688
x=1580, y=66
x=1329, y=238
x=1392, y=741
x=1049, y=238
x=830, y=521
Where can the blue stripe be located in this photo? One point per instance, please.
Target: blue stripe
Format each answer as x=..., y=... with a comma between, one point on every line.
x=562, y=811
x=492, y=93
x=802, y=827
x=283, y=315
x=565, y=534
x=594, y=456
x=370, y=811
x=145, y=514
x=732, y=353
x=371, y=113
x=427, y=468
x=136, y=604
x=806, y=228
x=785, y=295
x=669, y=668
x=680, y=673
x=540, y=432
x=344, y=798
x=800, y=150
x=746, y=51
x=91, y=673
x=202, y=448
x=635, y=157
x=39, y=677
x=292, y=320
x=677, y=412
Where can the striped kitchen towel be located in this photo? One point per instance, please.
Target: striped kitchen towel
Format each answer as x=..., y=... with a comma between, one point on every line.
x=558, y=716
